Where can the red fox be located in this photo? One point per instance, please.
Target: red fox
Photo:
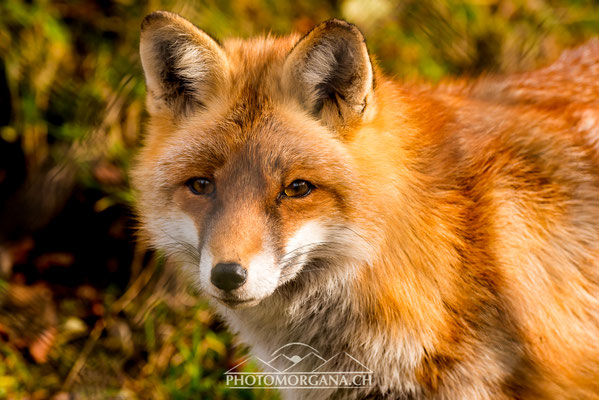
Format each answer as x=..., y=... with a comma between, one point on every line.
x=446, y=237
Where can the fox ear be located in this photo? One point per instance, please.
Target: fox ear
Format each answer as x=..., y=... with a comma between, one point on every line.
x=182, y=64
x=330, y=72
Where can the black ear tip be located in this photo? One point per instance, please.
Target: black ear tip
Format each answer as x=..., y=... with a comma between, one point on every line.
x=157, y=16
x=335, y=24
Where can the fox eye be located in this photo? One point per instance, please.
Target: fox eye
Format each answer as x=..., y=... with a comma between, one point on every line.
x=298, y=188
x=200, y=186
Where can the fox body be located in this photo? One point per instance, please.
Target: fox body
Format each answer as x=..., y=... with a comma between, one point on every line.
x=448, y=237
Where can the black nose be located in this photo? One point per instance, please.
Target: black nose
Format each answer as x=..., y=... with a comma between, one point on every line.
x=228, y=276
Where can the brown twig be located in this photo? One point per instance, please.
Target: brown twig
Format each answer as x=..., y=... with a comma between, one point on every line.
x=119, y=305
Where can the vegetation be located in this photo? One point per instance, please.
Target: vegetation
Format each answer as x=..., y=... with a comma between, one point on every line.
x=83, y=310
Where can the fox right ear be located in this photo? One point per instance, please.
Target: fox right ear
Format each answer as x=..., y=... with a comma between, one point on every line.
x=183, y=66
x=330, y=73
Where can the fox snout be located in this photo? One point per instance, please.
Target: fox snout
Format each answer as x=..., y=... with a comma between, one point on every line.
x=239, y=283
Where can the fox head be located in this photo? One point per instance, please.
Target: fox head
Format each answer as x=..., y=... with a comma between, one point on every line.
x=246, y=174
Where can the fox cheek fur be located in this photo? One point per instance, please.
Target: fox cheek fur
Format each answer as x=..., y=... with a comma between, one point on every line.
x=446, y=237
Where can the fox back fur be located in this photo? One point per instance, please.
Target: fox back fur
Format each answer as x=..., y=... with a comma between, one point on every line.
x=446, y=237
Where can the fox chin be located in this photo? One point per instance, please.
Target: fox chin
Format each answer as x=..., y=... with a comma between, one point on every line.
x=447, y=237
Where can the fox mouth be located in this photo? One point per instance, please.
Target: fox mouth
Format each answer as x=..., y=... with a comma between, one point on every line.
x=236, y=303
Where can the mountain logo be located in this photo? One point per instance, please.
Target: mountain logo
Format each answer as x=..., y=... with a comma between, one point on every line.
x=298, y=365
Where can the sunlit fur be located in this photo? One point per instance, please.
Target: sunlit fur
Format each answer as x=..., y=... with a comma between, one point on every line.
x=451, y=243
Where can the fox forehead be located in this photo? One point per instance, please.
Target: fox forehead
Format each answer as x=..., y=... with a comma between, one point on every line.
x=254, y=58
x=272, y=141
x=252, y=78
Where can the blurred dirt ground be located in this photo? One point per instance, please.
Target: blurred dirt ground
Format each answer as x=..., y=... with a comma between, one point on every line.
x=85, y=312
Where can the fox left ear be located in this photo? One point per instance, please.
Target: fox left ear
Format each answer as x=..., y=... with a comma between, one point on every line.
x=330, y=73
x=183, y=66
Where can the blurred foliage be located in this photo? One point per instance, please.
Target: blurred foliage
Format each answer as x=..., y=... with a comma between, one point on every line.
x=71, y=112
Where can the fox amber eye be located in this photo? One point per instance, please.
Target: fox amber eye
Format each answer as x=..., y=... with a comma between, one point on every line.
x=298, y=188
x=200, y=186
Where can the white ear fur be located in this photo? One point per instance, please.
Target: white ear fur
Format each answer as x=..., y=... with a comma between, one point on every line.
x=182, y=64
x=330, y=73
